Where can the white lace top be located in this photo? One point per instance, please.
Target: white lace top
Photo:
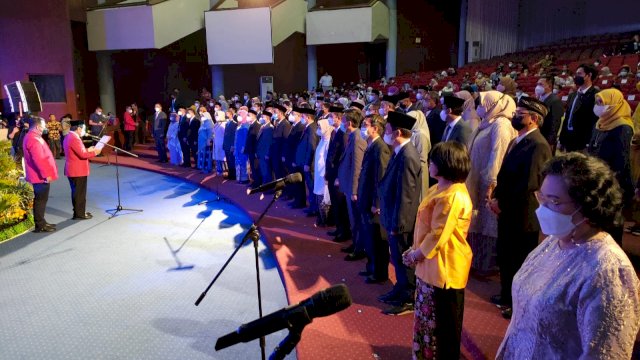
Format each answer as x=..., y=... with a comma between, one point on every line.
x=578, y=303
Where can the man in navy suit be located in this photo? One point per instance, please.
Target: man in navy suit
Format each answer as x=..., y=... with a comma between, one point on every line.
x=456, y=129
x=159, y=132
x=399, y=194
x=305, y=155
x=183, y=134
x=250, y=148
x=265, y=140
x=514, y=199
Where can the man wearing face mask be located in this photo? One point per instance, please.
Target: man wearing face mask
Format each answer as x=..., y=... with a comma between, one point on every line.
x=246, y=99
x=183, y=134
x=579, y=118
x=159, y=132
x=76, y=168
x=399, y=194
x=40, y=171
x=514, y=200
x=96, y=122
x=305, y=154
x=338, y=213
x=129, y=128
x=280, y=135
x=552, y=122
x=421, y=94
x=435, y=123
x=387, y=105
x=228, y=142
x=404, y=103
x=192, y=137
x=265, y=141
x=289, y=158
x=373, y=97
x=372, y=233
x=456, y=129
x=251, y=146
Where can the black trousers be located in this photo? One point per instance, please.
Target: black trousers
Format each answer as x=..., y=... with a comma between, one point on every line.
x=374, y=238
x=41, y=196
x=254, y=164
x=161, y=149
x=405, y=276
x=193, y=148
x=338, y=213
x=78, y=195
x=513, y=247
x=278, y=166
x=231, y=164
x=55, y=147
x=128, y=139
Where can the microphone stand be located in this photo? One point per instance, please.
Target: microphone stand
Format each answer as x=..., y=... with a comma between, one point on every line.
x=288, y=343
x=118, y=208
x=254, y=235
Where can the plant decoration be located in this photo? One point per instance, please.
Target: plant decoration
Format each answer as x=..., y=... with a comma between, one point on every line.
x=16, y=195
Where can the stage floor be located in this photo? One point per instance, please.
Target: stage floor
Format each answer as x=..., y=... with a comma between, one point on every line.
x=108, y=288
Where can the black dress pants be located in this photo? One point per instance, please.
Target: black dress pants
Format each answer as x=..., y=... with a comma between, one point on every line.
x=78, y=195
x=41, y=196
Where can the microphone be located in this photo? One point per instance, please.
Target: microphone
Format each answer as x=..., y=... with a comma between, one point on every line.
x=277, y=184
x=322, y=303
x=94, y=137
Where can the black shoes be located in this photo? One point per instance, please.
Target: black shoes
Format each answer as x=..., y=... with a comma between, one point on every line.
x=348, y=249
x=507, y=312
x=374, y=280
x=341, y=238
x=497, y=300
x=47, y=228
x=399, y=309
x=355, y=256
x=86, y=216
x=364, y=273
x=333, y=233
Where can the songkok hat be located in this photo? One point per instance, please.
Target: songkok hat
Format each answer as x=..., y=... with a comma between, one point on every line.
x=403, y=95
x=424, y=87
x=336, y=109
x=534, y=105
x=390, y=98
x=304, y=111
x=452, y=102
x=267, y=113
x=253, y=112
x=280, y=107
x=400, y=120
x=76, y=122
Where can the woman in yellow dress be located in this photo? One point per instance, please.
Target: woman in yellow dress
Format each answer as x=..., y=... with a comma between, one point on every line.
x=441, y=255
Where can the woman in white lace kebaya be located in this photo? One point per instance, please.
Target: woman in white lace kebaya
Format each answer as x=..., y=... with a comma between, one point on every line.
x=577, y=296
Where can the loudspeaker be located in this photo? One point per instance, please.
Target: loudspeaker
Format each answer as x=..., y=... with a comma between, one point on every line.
x=25, y=92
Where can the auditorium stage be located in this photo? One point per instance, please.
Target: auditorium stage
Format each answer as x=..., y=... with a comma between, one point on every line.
x=108, y=288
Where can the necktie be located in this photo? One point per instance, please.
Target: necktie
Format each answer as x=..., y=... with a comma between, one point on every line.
x=573, y=107
x=445, y=136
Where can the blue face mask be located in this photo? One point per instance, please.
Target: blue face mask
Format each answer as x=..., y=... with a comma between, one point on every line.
x=262, y=121
x=303, y=120
x=343, y=128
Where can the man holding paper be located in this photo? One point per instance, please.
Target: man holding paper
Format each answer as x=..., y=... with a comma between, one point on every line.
x=76, y=167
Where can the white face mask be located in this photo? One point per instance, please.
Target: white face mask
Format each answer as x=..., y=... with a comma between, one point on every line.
x=364, y=134
x=83, y=132
x=180, y=113
x=292, y=118
x=370, y=98
x=555, y=223
x=158, y=109
x=130, y=111
x=539, y=90
x=600, y=109
x=555, y=91
x=388, y=139
x=382, y=112
x=189, y=116
x=99, y=112
x=331, y=121
x=419, y=96
x=443, y=115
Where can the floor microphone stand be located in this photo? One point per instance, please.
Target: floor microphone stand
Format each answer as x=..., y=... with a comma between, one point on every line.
x=254, y=235
x=119, y=208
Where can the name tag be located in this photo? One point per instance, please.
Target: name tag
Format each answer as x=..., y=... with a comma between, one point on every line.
x=604, y=82
x=631, y=97
x=623, y=81
x=565, y=98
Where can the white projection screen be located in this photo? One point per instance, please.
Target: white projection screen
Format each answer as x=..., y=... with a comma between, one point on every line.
x=250, y=42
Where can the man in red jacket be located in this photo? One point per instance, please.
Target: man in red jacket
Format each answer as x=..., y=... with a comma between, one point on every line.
x=40, y=170
x=76, y=168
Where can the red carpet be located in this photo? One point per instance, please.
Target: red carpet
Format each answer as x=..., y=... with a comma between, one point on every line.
x=309, y=262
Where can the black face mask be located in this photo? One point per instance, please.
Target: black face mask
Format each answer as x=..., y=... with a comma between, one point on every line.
x=517, y=124
x=579, y=80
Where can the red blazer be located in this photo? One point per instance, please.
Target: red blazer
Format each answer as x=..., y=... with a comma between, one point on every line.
x=38, y=159
x=129, y=122
x=77, y=156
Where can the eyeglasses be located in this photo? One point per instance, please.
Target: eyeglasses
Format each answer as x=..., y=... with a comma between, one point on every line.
x=545, y=200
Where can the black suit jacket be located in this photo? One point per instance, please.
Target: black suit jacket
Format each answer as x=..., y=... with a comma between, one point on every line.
x=614, y=148
x=436, y=125
x=264, y=142
x=461, y=132
x=374, y=165
x=553, y=120
x=583, y=120
x=194, y=126
x=337, y=147
x=306, y=151
x=291, y=145
x=229, y=135
x=280, y=135
x=159, y=124
x=252, y=139
x=400, y=189
x=519, y=177
x=183, y=128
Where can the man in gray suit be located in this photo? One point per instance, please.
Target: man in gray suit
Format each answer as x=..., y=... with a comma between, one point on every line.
x=457, y=129
x=159, y=132
x=347, y=181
